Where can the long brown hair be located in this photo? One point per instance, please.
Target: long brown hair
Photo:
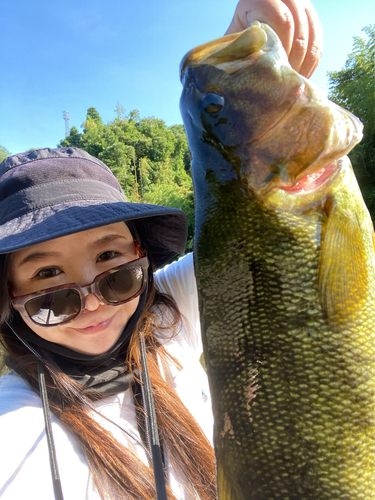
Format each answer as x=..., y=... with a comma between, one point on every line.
x=116, y=471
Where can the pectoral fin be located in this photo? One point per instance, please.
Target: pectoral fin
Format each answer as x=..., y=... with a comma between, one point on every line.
x=343, y=274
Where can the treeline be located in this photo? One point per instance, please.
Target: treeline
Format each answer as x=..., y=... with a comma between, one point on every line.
x=150, y=160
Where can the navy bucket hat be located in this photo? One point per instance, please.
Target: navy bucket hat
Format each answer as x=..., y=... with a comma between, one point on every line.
x=48, y=193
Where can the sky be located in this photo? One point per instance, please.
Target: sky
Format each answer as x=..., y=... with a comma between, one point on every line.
x=58, y=55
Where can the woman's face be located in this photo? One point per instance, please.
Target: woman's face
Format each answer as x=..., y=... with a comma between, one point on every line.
x=78, y=258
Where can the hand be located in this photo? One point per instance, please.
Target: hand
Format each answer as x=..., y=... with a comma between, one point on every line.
x=295, y=22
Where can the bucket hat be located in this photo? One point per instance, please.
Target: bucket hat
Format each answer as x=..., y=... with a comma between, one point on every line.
x=49, y=193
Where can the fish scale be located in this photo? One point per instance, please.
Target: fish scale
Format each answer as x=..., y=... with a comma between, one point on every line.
x=284, y=261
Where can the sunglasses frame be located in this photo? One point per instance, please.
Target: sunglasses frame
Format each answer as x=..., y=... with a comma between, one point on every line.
x=19, y=302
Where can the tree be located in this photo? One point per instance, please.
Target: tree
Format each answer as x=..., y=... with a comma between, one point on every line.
x=118, y=157
x=353, y=88
x=74, y=139
x=181, y=149
x=3, y=153
x=93, y=115
x=93, y=133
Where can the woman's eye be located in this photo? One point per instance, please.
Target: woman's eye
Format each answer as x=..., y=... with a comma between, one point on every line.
x=48, y=272
x=107, y=255
x=212, y=103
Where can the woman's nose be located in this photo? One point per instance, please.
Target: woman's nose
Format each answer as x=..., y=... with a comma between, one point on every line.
x=92, y=302
x=87, y=276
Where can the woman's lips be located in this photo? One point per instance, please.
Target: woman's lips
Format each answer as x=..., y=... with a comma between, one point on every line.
x=96, y=327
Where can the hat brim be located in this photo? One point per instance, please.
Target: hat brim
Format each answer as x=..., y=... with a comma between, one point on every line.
x=163, y=230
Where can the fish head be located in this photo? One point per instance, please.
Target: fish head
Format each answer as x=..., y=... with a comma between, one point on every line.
x=234, y=86
x=271, y=126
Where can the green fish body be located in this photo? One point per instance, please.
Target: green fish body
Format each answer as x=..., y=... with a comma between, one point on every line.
x=284, y=260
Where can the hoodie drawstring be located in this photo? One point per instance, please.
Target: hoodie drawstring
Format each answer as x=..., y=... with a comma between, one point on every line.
x=51, y=444
x=152, y=426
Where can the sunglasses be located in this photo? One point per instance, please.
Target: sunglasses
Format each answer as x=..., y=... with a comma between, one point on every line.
x=61, y=304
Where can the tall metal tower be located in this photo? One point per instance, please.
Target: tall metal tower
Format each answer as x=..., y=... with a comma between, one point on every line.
x=66, y=118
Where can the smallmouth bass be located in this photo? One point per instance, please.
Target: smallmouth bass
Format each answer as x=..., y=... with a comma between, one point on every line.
x=285, y=266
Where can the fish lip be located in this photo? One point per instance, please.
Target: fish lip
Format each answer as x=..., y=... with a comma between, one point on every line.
x=310, y=183
x=204, y=53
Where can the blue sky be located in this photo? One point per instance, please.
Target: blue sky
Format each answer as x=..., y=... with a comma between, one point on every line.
x=72, y=55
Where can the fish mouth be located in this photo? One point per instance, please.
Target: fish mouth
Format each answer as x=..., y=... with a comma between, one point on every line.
x=310, y=137
x=313, y=181
x=230, y=52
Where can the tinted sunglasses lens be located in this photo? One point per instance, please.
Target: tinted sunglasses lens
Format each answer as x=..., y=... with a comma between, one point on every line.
x=55, y=307
x=122, y=285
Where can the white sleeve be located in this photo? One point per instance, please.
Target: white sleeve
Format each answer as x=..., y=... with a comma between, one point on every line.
x=178, y=280
x=190, y=383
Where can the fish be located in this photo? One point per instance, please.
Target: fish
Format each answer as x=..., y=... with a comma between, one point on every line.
x=285, y=268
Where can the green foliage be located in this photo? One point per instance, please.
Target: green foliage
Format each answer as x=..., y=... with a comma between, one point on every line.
x=93, y=115
x=353, y=87
x=182, y=150
x=74, y=139
x=3, y=153
x=150, y=160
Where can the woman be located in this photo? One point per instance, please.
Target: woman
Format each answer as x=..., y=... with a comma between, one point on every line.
x=85, y=340
x=78, y=301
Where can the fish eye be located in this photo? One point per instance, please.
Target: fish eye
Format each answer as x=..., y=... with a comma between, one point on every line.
x=213, y=103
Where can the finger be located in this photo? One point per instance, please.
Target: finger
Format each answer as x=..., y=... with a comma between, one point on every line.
x=301, y=33
x=315, y=46
x=238, y=22
x=272, y=12
x=235, y=25
x=295, y=22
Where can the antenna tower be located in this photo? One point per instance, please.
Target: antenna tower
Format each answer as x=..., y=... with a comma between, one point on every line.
x=66, y=118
